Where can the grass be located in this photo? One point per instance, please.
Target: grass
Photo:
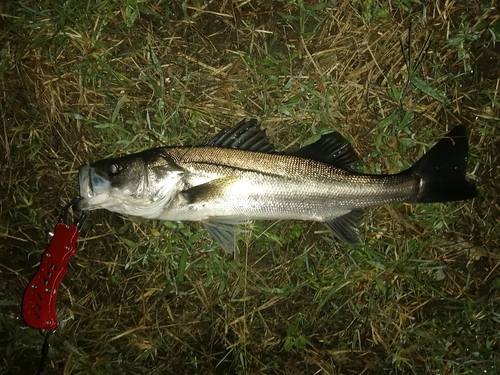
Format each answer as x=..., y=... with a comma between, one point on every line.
x=82, y=80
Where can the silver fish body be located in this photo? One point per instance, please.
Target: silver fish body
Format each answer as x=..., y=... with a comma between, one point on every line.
x=239, y=176
x=257, y=186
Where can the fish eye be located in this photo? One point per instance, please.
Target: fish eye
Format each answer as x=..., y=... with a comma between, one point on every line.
x=114, y=167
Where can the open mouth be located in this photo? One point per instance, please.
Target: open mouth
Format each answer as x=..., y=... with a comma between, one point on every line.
x=94, y=189
x=84, y=181
x=85, y=187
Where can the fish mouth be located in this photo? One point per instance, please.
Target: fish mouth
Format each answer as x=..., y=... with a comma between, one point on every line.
x=94, y=189
x=84, y=181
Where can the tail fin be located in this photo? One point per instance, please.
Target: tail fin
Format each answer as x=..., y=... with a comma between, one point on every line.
x=442, y=170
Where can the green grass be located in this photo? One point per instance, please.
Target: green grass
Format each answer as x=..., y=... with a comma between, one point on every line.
x=82, y=80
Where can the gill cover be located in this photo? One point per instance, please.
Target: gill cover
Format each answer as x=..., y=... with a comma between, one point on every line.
x=140, y=184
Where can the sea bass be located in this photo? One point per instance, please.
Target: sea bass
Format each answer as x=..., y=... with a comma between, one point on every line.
x=239, y=176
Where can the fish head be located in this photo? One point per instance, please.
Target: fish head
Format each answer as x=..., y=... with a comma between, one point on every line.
x=139, y=184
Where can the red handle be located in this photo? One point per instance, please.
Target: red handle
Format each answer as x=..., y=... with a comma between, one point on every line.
x=39, y=300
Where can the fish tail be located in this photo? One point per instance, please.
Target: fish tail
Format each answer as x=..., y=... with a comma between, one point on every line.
x=442, y=170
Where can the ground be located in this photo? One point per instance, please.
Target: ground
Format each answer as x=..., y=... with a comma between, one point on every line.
x=85, y=80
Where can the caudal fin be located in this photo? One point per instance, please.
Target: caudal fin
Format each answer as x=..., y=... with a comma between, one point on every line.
x=442, y=170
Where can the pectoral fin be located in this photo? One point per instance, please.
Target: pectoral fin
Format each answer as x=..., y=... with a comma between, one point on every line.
x=208, y=191
x=345, y=227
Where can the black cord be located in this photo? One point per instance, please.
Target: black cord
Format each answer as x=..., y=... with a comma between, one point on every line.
x=45, y=351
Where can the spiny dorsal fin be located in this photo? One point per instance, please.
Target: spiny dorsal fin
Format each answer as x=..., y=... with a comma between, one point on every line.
x=245, y=135
x=331, y=148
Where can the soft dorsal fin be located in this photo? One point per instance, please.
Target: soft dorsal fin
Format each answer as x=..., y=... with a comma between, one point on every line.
x=245, y=135
x=331, y=148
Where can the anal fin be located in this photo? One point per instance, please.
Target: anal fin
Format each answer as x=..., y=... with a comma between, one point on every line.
x=345, y=227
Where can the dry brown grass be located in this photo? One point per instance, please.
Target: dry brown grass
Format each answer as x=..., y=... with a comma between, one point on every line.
x=79, y=84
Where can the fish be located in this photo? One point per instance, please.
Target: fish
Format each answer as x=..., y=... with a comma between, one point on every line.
x=238, y=176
